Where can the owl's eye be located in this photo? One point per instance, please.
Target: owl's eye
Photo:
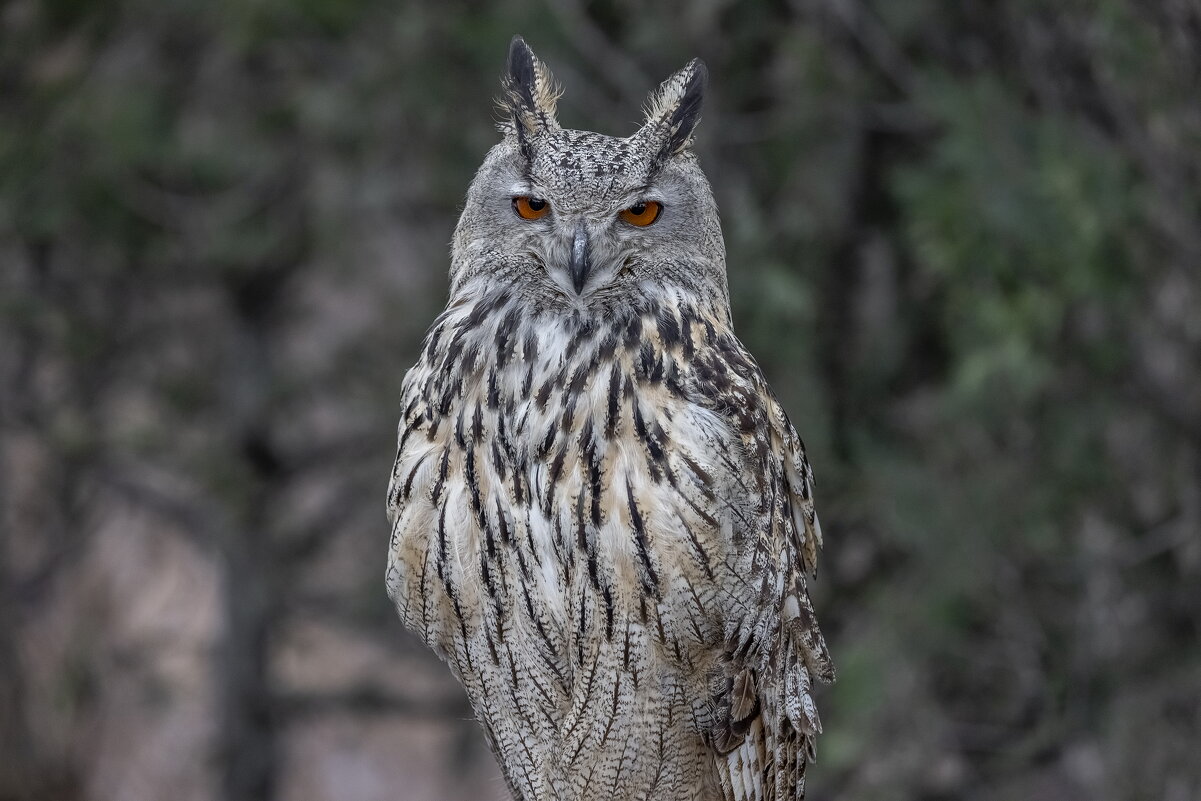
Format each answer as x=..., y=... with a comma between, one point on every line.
x=642, y=214
x=530, y=208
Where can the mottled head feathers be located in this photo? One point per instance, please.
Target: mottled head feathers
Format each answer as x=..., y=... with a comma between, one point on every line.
x=584, y=182
x=530, y=95
x=674, y=109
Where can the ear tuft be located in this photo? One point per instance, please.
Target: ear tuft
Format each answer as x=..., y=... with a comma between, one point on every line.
x=530, y=94
x=674, y=109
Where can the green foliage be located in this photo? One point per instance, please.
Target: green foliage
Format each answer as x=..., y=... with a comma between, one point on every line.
x=1023, y=219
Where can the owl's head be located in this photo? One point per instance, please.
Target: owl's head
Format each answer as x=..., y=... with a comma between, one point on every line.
x=579, y=221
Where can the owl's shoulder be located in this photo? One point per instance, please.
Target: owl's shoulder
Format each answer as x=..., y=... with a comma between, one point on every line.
x=723, y=378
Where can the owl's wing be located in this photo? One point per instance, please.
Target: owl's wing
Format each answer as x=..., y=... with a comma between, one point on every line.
x=765, y=719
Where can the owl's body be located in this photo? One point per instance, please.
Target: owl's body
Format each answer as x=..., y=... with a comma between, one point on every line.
x=601, y=517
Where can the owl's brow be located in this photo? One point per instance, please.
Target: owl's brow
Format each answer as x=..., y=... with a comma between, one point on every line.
x=646, y=191
x=522, y=188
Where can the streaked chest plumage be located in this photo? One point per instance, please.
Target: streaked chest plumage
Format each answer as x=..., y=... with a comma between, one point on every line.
x=575, y=449
x=565, y=520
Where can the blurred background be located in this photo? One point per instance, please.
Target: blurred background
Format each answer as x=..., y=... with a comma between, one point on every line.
x=963, y=243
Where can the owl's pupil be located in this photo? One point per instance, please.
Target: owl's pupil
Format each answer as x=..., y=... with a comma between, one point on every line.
x=537, y=204
x=638, y=209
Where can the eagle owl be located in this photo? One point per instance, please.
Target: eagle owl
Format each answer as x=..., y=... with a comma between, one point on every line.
x=602, y=519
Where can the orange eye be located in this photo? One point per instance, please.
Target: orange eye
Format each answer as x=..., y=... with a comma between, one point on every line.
x=530, y=208
x=642, y=214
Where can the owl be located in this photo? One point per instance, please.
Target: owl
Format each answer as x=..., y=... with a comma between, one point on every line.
x=602, y=518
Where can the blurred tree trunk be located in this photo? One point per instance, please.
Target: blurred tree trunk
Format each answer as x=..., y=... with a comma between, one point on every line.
x=249, y=581
x=248, y=732
x=252, y=559
x=27, y=770
x=17, y=770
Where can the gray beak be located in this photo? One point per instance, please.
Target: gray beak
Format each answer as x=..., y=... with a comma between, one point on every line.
x=581, y=258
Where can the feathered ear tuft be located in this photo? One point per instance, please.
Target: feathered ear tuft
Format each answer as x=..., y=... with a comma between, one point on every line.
x=530, y=95
x=674, y=109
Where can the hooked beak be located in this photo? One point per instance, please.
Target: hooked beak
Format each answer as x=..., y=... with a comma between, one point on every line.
x=581, y=258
